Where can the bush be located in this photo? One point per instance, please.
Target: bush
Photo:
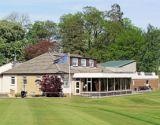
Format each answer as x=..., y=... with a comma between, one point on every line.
x=18, y=95
x=51, y=86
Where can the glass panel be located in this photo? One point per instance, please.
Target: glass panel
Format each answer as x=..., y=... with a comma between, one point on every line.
x=110, y=84
x=95, y=85
x=117, y=84
x=91, y=63
x=77, y=84
x=89, y=86
x=103, y=84
x=83, y=62
x=84, y=83
x=128, y=83
x=12, y=80
x=65, y=80
x=74, y=61
x=77, y=90
x=123, y=84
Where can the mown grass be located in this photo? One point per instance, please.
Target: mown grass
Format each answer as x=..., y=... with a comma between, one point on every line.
x=141, y=109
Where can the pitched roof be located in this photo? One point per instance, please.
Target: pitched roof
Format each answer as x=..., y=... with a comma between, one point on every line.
x=117, y=64
x=43, y=64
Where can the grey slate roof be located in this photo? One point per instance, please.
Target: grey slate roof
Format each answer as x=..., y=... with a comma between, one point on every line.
x=43, y=64
x=117, y=64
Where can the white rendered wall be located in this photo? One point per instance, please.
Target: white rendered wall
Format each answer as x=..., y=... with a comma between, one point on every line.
x=6, y=85
x=5, y=80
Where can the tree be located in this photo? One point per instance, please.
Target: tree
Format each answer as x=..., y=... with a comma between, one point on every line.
x=11, y=31
x=128, y=45
x=115, y=14
x=22, y=19
x=41, y=47
x=11, y=41
x=42, y=30
x=151, y=53
x=51, y=85
x=72, y=33
x=94, y=26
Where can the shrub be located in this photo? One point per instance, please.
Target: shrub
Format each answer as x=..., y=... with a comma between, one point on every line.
x=51, y=86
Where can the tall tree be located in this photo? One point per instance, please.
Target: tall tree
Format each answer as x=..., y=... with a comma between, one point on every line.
x=72, y=33
x=11, y=31
x=22, y=19
x=11, y=41
x=127, y=45
x=115, y=14
x=94, y=26
x=151, y=53
x=42, y=30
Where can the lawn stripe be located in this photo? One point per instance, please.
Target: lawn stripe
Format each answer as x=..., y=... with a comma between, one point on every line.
x=18, y=113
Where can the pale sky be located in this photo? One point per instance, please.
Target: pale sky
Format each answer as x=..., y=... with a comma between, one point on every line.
x=141, y=12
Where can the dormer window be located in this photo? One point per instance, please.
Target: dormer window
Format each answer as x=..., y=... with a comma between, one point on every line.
x=74, y=61
x=91, y=63
x=83, y=62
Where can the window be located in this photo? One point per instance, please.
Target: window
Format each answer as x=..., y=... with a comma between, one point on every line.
x=65, y=81
x=13, y=80
x=24, y=80
x=83, y=62
x=74, y=61
x=91, y=63
x=77, y=84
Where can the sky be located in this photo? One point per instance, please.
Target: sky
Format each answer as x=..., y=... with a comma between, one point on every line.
x=141, y=12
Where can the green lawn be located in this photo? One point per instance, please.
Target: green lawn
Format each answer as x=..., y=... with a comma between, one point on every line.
x=125, y=110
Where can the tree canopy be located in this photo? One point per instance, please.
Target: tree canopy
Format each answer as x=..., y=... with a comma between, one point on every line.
x=104, y=35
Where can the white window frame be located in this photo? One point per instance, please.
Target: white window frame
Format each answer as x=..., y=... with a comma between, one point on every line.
x=74, y=61
x=91, y=63
x=84, y=62
x=13, y=78
x=65, y=81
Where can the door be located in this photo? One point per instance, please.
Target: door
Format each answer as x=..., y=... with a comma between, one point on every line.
x=77, y=88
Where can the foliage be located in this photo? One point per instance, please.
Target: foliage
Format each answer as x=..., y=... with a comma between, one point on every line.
x=41, y=47
x=151, y=53
x=51, y=85
x=104, y=35
x=42, y=30
x=11, y=31
x=127, y=45
x=11, y=41
x=115, y=14
x=72, y=33
x=93, y=26
x=18, y=95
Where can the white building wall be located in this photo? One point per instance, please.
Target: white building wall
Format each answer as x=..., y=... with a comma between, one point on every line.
x=70, y=88
x=66, y=89
x=1, y=87
x=5, y=80
x=6, y=85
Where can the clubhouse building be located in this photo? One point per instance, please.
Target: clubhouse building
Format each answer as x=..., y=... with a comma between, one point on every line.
x=87, y=77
